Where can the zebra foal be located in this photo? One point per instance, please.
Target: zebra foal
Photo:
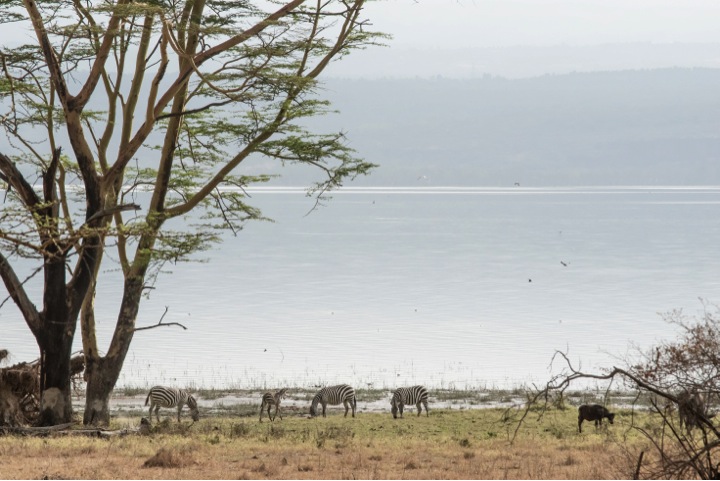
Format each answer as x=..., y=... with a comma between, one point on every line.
x=416, y=395
x=170, y=397
x=342, y=393
x=270, y=399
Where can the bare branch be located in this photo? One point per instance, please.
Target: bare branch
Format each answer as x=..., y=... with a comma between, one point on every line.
x=112, y=211
x=13, y=176
x=16, y=290
x=683, y=373
x=161, y=323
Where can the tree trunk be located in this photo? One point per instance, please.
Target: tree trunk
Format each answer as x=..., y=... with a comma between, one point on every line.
x=55, y=339
x=102, y=373
x=55, y=388
x=101, y=377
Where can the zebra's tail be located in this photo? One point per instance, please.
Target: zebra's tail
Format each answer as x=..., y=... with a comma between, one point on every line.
x=354, y=401
x=147, y=399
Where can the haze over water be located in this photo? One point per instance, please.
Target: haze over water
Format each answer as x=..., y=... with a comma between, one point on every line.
x=464, y=287
x=448, y=287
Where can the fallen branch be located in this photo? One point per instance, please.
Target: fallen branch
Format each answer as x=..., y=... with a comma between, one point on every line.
x=63, y=430
x=99, y=433
x=34, y=431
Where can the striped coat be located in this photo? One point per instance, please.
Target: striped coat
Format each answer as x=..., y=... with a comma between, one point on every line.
x=170, y=397
x=342, y=393
x=269, y=400
x=416, y=395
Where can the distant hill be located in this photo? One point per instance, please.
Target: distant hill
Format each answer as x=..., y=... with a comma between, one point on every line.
x=652, y=127
x=634, y=127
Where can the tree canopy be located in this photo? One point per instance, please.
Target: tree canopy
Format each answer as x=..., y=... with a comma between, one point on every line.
x=120, y=116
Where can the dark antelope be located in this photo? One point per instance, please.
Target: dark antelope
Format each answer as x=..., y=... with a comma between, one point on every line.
x=692, y=410
x=593, y=412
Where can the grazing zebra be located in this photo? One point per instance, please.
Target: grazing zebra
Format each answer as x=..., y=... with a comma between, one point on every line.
x=417, y=395
x=270, y=399
x=170, y=397
x=341, y=393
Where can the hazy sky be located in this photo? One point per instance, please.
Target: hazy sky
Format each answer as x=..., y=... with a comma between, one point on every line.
x=492, y=23
x=521, y=38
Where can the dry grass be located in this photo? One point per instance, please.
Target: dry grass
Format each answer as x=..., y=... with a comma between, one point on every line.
x=169, y=457
x=447, y=445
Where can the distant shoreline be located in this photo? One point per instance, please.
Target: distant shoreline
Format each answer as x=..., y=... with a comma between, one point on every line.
x=130, y=402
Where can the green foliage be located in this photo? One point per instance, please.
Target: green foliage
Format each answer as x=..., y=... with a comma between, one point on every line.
x=247, y=100
x=466, y=429
x=137, y=121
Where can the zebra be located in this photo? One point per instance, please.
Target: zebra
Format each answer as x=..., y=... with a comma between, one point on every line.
x=270, y=399
x=417, y=395
x=342, y=393
x=170, y=397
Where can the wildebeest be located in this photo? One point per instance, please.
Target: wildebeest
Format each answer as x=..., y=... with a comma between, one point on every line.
x=593, y=412
x=691, y=409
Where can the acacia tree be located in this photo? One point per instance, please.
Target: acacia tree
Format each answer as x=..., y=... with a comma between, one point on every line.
x=683, y=440
x=131, y=114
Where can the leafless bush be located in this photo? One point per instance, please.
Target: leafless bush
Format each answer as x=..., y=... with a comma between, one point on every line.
x=22, y=380
x=682, y=380
x=10, y=412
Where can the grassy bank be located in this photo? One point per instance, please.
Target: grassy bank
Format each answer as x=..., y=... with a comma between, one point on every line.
x=448, y=444
x=129, y=402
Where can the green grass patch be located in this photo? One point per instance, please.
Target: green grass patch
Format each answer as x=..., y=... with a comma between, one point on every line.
x=464, y=428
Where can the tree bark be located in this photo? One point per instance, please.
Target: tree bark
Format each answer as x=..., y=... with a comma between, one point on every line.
x=55, y=340
x=55, y=386
x=101, y=376
x=102, y=373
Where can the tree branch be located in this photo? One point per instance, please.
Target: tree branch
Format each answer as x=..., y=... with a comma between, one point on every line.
x=182, y=78
x=112, y=211
x=19, y=295
x=78, y=102
x=160, y=323
x=14, y=178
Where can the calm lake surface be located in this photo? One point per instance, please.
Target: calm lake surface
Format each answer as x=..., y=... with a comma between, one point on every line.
x=448, y=287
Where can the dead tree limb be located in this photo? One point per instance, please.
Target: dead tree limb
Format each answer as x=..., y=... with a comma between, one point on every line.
x=680, y=455
x=161, y=323
x=34, y=431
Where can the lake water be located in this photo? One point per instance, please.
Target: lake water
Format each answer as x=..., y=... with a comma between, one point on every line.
x=448, y=287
